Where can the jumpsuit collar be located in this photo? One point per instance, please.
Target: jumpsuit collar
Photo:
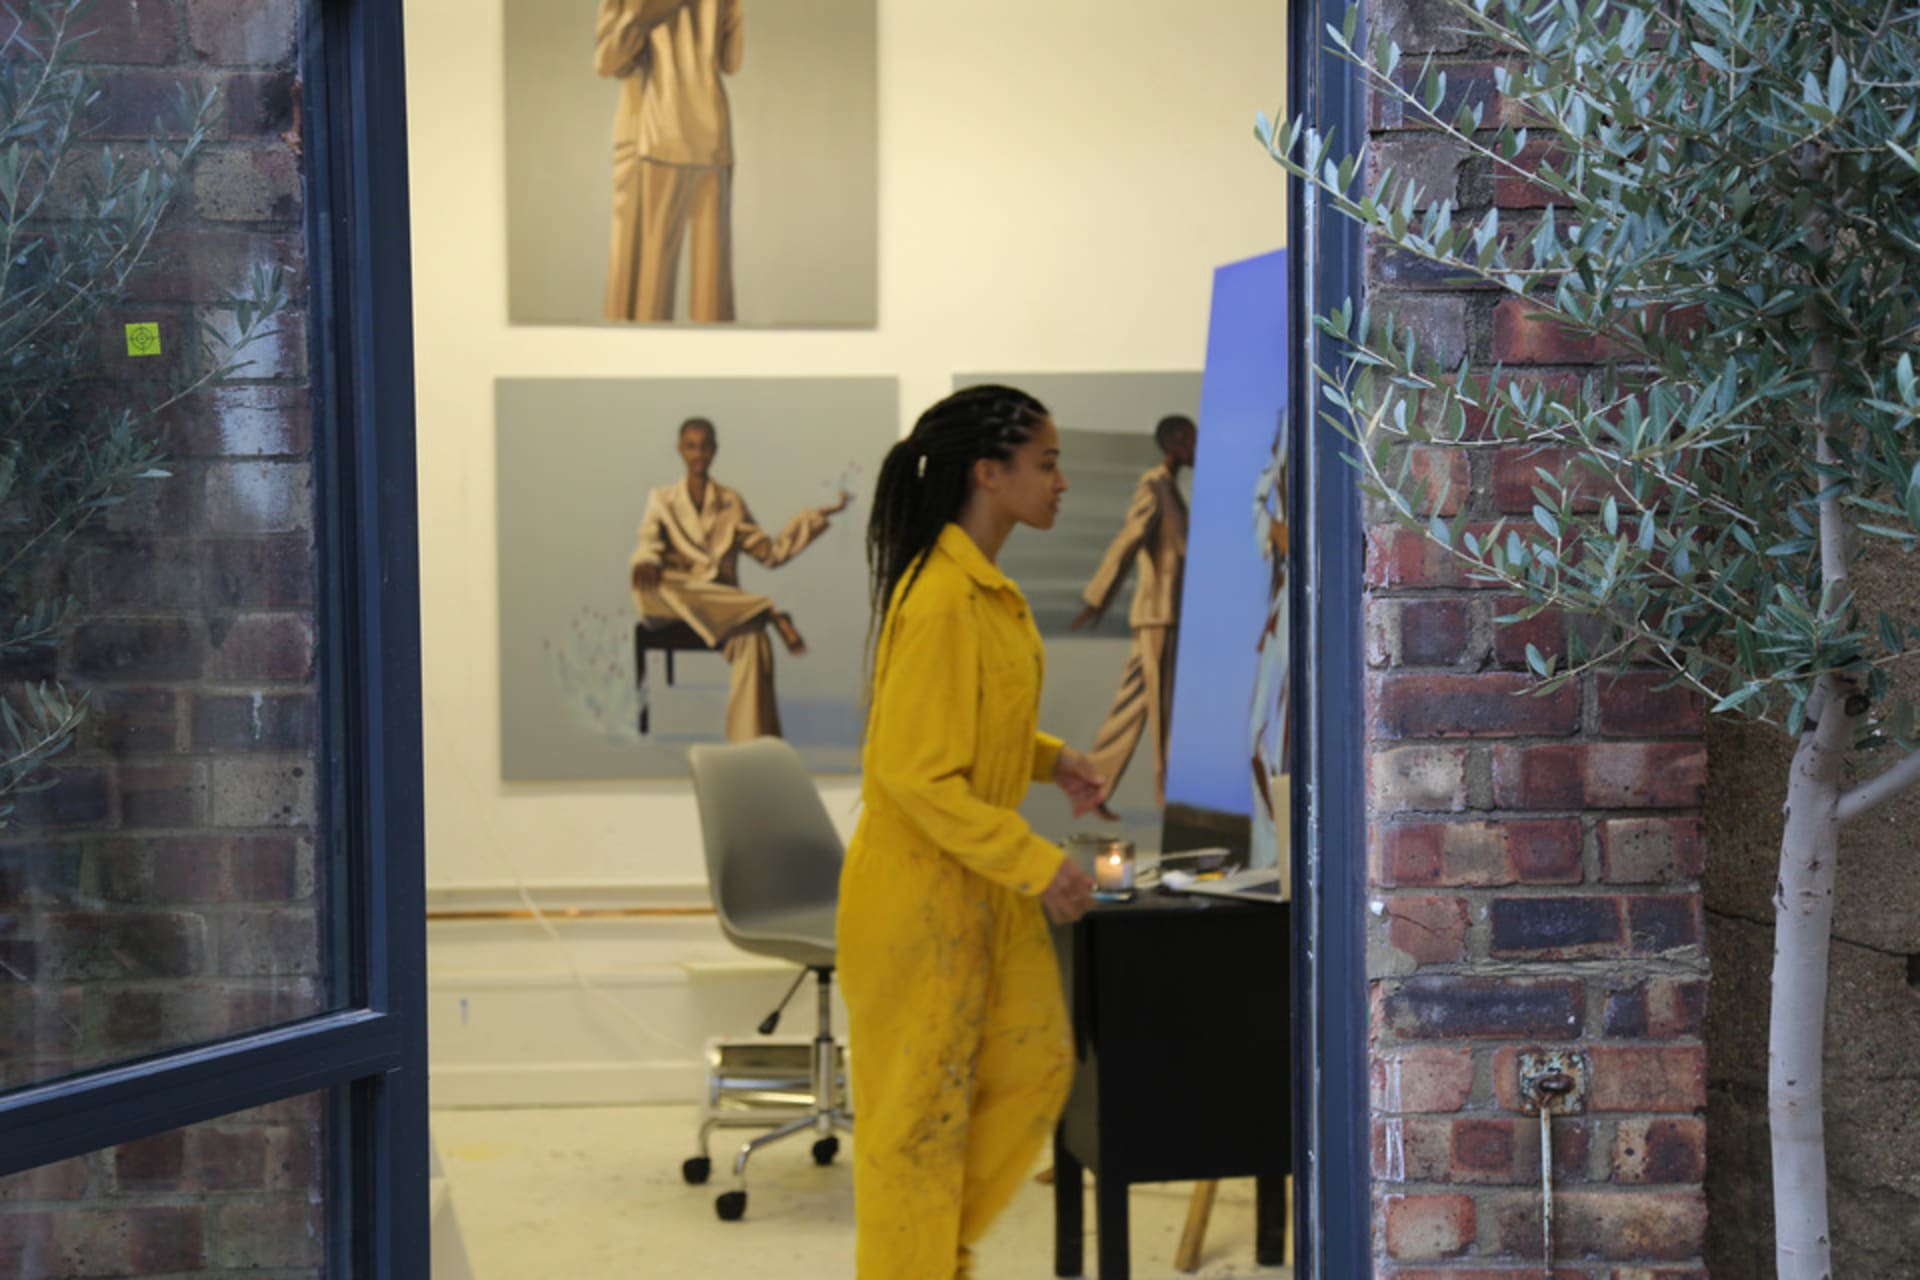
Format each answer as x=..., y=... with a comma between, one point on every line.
x=967, y=553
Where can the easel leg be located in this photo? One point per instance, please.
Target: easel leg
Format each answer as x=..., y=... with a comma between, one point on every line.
x=1273, y=1221
x=1193, y=1240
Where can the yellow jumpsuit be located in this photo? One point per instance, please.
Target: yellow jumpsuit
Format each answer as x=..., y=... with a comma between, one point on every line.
x=961, y=1051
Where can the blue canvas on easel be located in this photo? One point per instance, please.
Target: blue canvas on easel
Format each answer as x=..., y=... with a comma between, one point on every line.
x=1232, y=669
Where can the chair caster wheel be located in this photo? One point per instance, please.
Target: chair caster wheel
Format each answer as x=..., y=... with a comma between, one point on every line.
x=825, y=1150
x=696, y=1170
x=731, y=1205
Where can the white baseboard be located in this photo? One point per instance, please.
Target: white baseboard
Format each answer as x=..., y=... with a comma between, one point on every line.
x=617, y=1012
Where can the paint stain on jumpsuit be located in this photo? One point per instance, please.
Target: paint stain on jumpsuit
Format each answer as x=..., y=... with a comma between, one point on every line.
x=961, y=1050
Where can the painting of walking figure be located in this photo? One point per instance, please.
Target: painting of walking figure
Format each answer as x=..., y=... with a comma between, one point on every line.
x=644, y=606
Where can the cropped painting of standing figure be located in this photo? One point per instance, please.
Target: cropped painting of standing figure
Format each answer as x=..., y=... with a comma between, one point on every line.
x=1269, y=741
x=686, y=569
x=1152, y=540
x=672, y=153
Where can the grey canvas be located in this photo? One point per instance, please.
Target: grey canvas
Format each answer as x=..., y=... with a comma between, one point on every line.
x=576, y=460
x=1106, y=422
x=806, y=171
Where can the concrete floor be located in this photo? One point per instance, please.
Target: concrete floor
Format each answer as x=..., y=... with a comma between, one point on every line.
x=596, y=1194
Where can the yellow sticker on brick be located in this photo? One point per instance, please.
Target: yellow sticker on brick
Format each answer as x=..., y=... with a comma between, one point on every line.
x=143, y=339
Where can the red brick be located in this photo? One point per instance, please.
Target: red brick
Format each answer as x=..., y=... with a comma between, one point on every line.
x=1550, y=631
x=1636, y=705
x=1557, y=927
x=1468, y=84
x=134, y=721
x=1481, y=1273
x=1433, y=632
x=1524, y=333
x=243, y=32
x=1558, y=388
x=1450, y=854
x=1418, y=779
x=166, y=1239
x=140, y=104
x=261, y=573
x=162, y=795
x=213, y=266
x=1622, y=775
x=1431, y=930
x=263, y=647
x=67, y=1180
x=1422, y=1078
x=1636, y=1077
x=1660, y=1149
x=254, y=722
x=271, y=1235
x=1434, y=1007
x=157, y=649
x=1665, y=923
x=1445, y=471
x=129, y=31
x=1635, y=1226
x=260, y=106
x=1493, y=704
x=1513, y=190
x=1676, y=1008
x=77, y=797
x=1399, y=557
x=1653, y=850
x=1516, y=474
x=1482, y=1150
x=1424, y=1227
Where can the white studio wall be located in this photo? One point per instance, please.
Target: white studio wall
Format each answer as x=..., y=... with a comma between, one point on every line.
x=1056, y=184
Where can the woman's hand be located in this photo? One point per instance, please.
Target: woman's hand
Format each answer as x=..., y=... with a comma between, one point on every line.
x=846, y=500
x=1085, y=789
x=1068, y=895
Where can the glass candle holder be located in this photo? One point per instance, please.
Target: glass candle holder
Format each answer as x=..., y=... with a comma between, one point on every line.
x=1113, y=866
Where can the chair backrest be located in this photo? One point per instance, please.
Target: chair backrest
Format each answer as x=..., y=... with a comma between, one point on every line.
x=769, y=842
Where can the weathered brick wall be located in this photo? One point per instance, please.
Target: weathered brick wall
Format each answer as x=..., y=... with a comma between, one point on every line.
x=1534, y=861
x=165, y=889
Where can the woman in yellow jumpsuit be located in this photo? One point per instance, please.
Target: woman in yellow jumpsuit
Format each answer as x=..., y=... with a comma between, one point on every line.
x=961, y=1051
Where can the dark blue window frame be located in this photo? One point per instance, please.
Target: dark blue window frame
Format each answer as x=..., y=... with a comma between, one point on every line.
x=372, y=1053
x=1332, y=1151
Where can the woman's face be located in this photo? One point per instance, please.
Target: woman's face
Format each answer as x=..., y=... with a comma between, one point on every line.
x=1029, y=485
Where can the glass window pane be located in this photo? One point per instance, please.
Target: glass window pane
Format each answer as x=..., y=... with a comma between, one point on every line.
x=243, y=1195
x=161, y=833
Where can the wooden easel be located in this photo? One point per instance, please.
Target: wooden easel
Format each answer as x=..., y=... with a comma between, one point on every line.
x=1193, y=1238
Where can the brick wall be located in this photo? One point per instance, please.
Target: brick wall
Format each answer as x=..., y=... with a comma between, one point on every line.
x=1535, y=861
x=165, y=889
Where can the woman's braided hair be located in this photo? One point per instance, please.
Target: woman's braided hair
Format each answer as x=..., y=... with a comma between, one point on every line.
x=923, y=482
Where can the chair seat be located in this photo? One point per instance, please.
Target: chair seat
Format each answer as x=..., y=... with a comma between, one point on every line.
x=802, y=933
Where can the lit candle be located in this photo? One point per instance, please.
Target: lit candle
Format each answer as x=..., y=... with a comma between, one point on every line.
x=1114, y=870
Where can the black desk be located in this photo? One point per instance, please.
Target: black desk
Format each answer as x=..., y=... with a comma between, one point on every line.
x=1181, y=1026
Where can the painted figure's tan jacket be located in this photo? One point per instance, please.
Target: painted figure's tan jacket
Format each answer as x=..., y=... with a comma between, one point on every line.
x=1154, y=537
x=704, y=544
x=669, y=56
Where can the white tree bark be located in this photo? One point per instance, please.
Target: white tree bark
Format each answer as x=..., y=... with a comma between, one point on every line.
x=1803, y=929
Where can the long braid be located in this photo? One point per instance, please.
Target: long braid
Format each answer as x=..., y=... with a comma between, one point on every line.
x=924, y=480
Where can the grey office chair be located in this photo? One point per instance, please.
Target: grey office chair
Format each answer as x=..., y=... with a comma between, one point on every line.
x=773, y=862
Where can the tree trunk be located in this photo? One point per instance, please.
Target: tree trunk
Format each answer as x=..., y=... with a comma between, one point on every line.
x=1803, y=928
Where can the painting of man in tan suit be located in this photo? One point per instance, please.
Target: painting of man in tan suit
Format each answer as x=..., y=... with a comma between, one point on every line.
x=1152, y=540
x=672, y=153
x=686, y=568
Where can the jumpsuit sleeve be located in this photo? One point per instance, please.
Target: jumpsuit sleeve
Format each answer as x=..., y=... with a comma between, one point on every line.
x=926, y=716
x=620, y=34
x=732, y=36
x=1046, y=756
x=774, y=552
x=1141, y=516
x=652, y=548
